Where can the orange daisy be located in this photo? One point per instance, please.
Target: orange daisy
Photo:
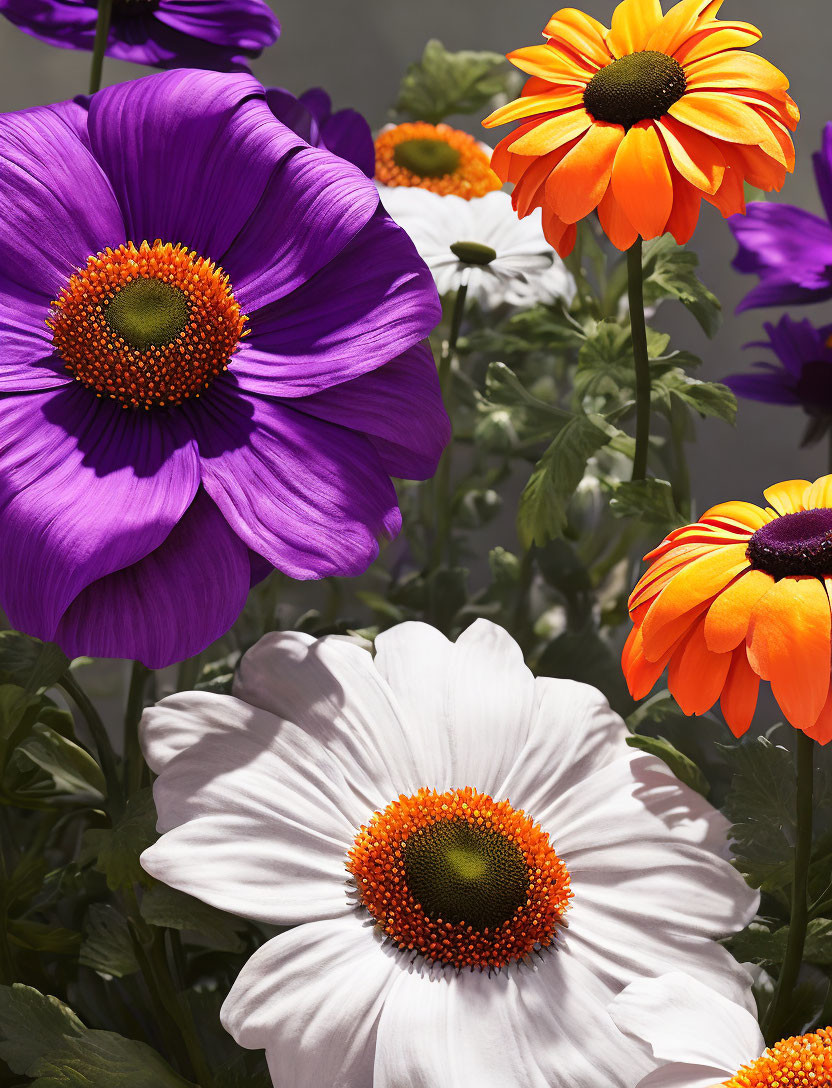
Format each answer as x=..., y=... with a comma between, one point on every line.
x=436, y=157
x=742, y=595
x=643, y=120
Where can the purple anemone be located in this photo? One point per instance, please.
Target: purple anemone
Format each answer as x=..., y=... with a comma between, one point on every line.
x=213, y=363
x=788, y=248
x=345, y=132
x=802, y=374
x=222, y=35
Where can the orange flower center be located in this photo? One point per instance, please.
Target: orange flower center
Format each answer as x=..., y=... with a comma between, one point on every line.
x=635, y=88
x=150, y=327
x=804, y=1062
x=460, y=878
x=794, y=544
x=435, y=157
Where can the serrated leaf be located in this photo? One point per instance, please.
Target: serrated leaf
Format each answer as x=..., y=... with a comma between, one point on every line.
x=542, y=513
x=116, y=850
x=758, y=944
x=30, y=663
x=165, y=906
x=107, y=946
x=40, y=1037
x=706, y=398
x=443, y=83
x=682, y=766
x=648, y=500
x=670, y=272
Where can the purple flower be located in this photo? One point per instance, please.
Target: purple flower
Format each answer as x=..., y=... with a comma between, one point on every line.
x=170, y=428
x=802, y=374
x=217, y=34
x=345, y=133
x=789, y=249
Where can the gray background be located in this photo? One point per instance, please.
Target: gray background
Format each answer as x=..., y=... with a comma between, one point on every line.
x=358, y=50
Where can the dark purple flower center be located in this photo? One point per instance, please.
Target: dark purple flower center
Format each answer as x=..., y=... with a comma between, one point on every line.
x=132, y=7
x=794, y=544
x=634, y=88
x=814, y=387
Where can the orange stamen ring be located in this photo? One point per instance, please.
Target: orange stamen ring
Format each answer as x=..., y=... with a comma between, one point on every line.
x=801, y=1062
x=435, y=157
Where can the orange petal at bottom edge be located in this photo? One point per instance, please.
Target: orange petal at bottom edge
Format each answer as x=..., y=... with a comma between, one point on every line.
x=821, y=731
x=697, y=675
x=739, y=695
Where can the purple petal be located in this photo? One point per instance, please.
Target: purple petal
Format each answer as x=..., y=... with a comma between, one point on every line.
x=189, y=154
x=306, y=495
x=86, y=488
x=314, y=207
x=239, y=24
x=398, y=406
x=170, y=605
x=347, y=134
x=796, y=343
x=773, y=388
x=294, y=114
x=66, y=25
x=822, y=161
x=372, y=303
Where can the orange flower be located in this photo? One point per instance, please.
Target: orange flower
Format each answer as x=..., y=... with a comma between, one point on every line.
x=642, y=121
x=436, y=157
x=740, y=596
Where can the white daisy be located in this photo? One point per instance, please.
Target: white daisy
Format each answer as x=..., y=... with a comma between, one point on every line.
x=314, y=797
x=481, y=243
x=699, y=1039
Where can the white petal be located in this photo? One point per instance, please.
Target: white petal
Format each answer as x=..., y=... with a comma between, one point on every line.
x=468, y=703
x=181, y=720
x=682, y=1021
x=533, y=1027
x=312, y=998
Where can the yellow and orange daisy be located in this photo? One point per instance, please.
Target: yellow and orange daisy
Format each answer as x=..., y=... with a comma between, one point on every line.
x=740, y=596
x=442, y=159
x=642, y=121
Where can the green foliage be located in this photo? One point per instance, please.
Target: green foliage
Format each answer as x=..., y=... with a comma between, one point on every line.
x=670, y=272
x=443, y=83
x=40, y=1037
x=30, y=663
x=683, y=767
x=705, y=398
x=758, y=944
x=107, y=945
x=648, y=500
x=115, y=851
x=166, y=907
x=584, y=655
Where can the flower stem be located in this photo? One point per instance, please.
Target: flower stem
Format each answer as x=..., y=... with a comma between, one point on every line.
x=799, y=916
x=635, y=291
x=102, y=33
x=106, y=753
x=443, y=477
x=133, y=758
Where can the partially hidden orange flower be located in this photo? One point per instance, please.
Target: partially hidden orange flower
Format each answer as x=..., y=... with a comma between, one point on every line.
x=442, y=159
x=642, y=121
x=742, y=595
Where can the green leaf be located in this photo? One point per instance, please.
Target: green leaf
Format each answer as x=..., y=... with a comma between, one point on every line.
x=62, y=770
x=116, y=850
x=510, y=415
x=40, y=1037
x=682, y=766
x=27, y=661
x=164, y=906
x=443, y=83
x=670, y=272
x=542, y=513
x=647, y=500
x=706, y=398
x=758, y=944
x=43, y=937
x=107, y=946
x=585, y=656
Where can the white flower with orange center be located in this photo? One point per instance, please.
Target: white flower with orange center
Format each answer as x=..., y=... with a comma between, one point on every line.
x=701, y=1040
x=474, y=861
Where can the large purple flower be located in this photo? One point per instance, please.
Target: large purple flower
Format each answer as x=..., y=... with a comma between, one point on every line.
x=167, y=426
x=217, y=34
x=789, y=249
x=802, y=374
x=345, y=132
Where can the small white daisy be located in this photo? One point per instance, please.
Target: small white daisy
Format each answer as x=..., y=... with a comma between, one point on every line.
x=481, y=243
x=475, y=862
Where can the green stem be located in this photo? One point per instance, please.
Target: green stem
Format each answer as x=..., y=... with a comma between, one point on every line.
x=133, y=758
x=106, y=753
x=799, y=917
x=635, y=290
x=102, y=33
x=188, y=673
x=443, y=476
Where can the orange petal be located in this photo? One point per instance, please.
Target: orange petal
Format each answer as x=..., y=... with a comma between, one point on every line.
x=787, y=497
x=560, y=236
x=633, y=22
x=735, y=68
x=580, y=32
x=641, y=180
x=788, y=645
x=656, y=578
x=721, y=115
x=529, y=105
x=697, y=675
x=575, y=188
x=739, y=695
x=819, y=494
x=696, y=583
x=615, y=223
x=552, y=133
x=676, y=26
x=656, y=645
x=746, y=514
x=685, y=214
x=641, y=675
x=530, y=190
x=553, y=64
x=821, y=731
x=730, y=196
x=726, y=624
x=716, y=38
x=758, y=168
x=696, y=156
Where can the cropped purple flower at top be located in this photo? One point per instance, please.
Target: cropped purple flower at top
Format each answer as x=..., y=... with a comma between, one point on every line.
x=222, y=35
x=344, y=133
x=788, y=248
x=802, y=374
x=213, y=362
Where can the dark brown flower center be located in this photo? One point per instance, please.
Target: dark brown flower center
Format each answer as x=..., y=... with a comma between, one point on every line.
x=635, y=88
